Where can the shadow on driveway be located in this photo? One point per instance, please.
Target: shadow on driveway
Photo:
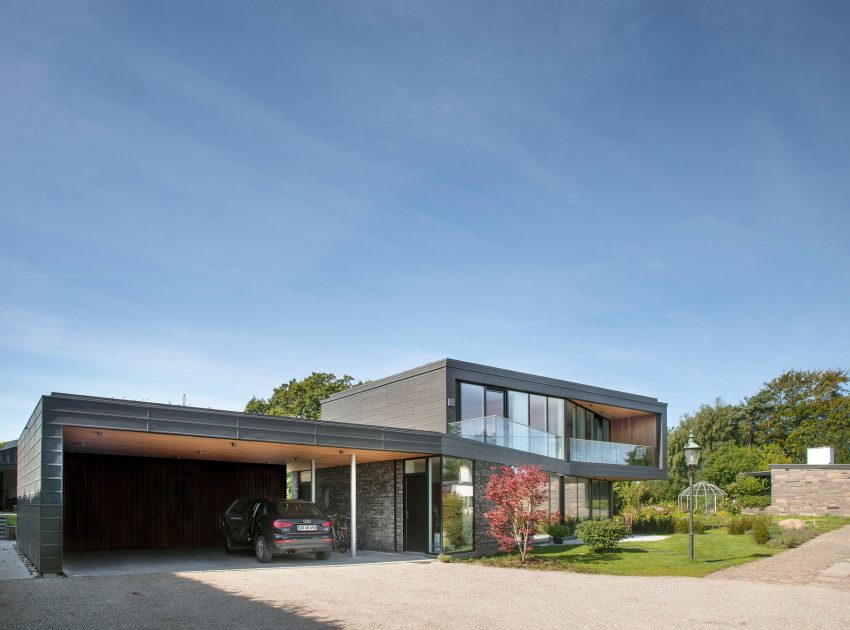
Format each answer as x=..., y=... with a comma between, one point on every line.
x=145, y=601
x=148, y=561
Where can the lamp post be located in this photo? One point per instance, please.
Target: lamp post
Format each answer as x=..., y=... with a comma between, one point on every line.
x=692, y=450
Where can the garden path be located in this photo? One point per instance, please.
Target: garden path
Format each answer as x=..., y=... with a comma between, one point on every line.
x=823, y=561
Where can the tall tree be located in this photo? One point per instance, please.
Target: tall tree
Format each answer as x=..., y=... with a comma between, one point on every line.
x=804, y=409
x=301, y=398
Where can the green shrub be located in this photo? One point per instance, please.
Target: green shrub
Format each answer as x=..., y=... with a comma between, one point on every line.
x=760, y=531
x=683, y=525
x=444, y=557
x=726, y=505
x=601, y=535
x=650, y=521
x=790, y=538
x=745, y=486
x=556, y=530
x=757, y=501
x=740, y=525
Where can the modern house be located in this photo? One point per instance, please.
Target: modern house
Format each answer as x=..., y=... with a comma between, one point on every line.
x=407, y=457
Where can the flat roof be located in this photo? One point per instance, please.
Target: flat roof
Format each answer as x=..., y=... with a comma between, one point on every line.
x=496, y=371
x=119, y=425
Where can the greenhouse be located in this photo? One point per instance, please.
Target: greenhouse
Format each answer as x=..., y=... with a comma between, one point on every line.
x=705, y=497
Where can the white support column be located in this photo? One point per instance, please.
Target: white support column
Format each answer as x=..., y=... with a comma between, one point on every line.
x=353, y=529
x=313, y=480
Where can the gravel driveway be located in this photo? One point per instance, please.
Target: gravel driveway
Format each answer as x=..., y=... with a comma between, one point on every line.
x=412, y=595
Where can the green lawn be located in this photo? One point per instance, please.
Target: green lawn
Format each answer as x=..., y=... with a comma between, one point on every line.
x=713, y=551
x=11, y=519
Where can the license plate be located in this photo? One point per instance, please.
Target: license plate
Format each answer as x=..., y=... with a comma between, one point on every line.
x=307, y=528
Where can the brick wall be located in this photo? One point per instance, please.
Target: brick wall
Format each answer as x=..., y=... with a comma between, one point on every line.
x=810, y=489
x=377, y=501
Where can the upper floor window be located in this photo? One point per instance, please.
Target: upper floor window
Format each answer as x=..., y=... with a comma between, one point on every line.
x=471, y=401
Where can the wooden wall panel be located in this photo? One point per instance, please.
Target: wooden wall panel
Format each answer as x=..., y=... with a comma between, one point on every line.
x=635, y=430
x=114, y=502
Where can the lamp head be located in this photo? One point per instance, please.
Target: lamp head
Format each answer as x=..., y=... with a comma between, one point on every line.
x=692, y=450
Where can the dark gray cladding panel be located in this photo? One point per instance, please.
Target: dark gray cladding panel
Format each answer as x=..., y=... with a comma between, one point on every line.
x=417, y=443
x=88, y=405
x=624, y=473
x=269, y=423
x=415, y=399
x=30, y=479
x=98, y=420
x=192, y=428
x=349, y=442
x=338, y=430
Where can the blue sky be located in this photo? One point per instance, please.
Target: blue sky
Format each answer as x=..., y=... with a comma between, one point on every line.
x=212, y=198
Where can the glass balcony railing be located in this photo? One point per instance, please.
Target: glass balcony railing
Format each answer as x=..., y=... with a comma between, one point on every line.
x=503, y=432
x=596, y=452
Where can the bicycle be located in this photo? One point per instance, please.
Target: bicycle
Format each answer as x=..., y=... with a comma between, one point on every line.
x=339, y=525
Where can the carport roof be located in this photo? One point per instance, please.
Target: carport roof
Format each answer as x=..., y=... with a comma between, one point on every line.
x=143, y=444
x=125, y=427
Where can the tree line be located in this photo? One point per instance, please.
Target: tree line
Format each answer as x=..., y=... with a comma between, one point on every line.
x=797, y=410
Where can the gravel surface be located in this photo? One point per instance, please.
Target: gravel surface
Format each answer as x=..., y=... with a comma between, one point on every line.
x=412, y=595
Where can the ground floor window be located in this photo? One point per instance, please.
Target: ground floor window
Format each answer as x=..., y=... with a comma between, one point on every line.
x=601, y=499
x=586, y=498
x=458, y=505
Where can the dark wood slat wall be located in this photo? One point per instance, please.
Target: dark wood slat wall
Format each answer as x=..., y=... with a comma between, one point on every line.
x=635, y=430
x=115, y=502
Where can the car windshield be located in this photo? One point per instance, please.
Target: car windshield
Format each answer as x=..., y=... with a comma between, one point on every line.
x=285, y=508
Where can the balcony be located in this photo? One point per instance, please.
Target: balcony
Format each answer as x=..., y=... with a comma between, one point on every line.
x=596, y=452
x=503, y=432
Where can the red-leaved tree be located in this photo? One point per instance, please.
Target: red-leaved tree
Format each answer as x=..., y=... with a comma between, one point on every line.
x=516, y=492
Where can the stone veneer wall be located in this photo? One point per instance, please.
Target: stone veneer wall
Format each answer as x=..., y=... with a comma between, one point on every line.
x=379, y=498
x=803, y=489
x=484, y=543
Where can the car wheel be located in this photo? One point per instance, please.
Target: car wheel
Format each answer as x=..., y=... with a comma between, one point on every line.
x=261, y=549
x=323, y=555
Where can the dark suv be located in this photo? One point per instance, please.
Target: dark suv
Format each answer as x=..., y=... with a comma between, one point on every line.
x=277, y=526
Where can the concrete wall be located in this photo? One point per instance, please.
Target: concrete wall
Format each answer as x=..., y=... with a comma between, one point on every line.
x=411, y=400
x=380, y=508
x=804, y=489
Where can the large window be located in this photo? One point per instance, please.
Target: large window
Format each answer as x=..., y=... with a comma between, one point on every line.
x=471, y=401
x=458, y=509
x=495, y=400
x=537, y=412
x=518, y=407
x=576, y=498
x=601, y=493
x=580, y=427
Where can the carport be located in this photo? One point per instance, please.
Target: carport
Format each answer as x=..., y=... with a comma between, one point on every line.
x=106, y=474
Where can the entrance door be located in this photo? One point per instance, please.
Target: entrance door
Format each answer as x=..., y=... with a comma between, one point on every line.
x=416, y=513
